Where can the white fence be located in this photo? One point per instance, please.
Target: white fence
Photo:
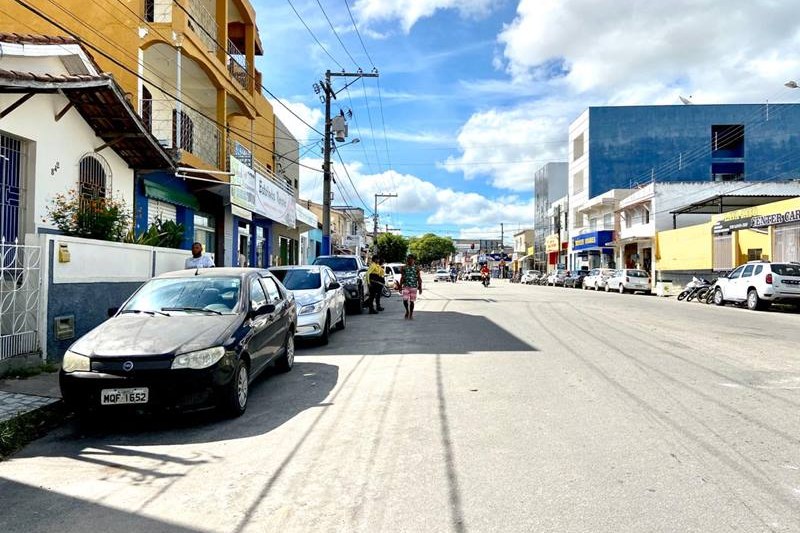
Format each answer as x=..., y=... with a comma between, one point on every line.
x=20, y=297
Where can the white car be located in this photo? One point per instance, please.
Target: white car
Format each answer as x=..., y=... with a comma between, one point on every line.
x=392, y=272
x=557, y=277
x=442, y=275
x=629, y=280
x=759, y=283
x=319, y=298
x=597, y=278
x=529, y=276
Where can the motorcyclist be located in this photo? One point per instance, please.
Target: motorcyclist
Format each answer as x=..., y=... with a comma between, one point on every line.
x=453, y=274
x=485, y=274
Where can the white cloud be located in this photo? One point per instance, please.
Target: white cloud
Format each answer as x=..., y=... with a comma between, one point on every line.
x=510, y=145
x=293, y=122
x=409, y=12
x=416, y=196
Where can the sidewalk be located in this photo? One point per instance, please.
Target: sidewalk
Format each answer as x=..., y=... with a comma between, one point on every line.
x=27, y=408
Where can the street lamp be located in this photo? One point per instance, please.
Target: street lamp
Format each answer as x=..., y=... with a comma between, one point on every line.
x=354, y=141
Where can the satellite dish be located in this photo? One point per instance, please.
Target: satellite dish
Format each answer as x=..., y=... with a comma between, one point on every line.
x=686, y=101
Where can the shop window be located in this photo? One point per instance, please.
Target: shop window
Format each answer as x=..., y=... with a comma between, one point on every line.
x=754, y=254
x=786, y=243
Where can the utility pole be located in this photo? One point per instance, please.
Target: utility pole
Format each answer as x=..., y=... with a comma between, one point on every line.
x=330, y=94
x=375, y=213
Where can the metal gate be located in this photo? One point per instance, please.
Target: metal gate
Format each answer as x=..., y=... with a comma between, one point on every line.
x=20, y=292
x=10, y=190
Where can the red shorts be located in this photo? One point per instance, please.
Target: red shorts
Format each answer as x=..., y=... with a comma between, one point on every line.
x=410, y=294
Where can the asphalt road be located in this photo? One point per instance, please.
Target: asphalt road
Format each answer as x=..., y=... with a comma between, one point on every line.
x=511, y=408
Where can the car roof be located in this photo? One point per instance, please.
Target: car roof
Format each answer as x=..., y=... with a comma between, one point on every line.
x=343, y=255
x=222, y=272
x=299, y=267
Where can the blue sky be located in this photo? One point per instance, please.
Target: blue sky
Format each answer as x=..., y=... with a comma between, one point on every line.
x=475, y=95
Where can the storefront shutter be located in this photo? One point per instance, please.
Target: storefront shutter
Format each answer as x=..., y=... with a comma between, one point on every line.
x=163, y=210
x=723, y=252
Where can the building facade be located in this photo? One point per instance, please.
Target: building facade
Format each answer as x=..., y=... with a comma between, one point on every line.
x=550, y=185
x=625, y=147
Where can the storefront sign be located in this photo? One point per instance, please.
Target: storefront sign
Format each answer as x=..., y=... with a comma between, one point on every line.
x=306, y=216
x=724, y=226
x=595, y=239
x=256, y=193
x=763, y=221
x=551, y=243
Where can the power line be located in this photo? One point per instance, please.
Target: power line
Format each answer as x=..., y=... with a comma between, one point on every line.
x=314, y=36
x=333, y=29
x=134, y=73
x=347, y=4
x=355, y=189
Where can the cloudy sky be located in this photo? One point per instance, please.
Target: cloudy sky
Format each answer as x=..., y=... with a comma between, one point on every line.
x=475, y=95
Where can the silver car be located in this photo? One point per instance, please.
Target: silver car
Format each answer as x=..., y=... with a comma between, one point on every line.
x=319, y=298
x=597, y=278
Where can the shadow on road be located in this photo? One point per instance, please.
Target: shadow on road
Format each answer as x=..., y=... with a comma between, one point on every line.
x=274, y=399
x=431, y=332
x=21, y=502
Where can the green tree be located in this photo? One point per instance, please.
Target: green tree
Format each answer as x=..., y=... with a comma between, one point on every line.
x=431, y=247
x=392, y=248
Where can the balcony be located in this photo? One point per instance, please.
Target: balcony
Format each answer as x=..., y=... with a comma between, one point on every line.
x=187, y=130
x=244, y=155
x=237, y=65
x=203, y=24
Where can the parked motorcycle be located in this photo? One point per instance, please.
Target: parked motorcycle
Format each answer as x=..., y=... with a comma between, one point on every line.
x=693, y=288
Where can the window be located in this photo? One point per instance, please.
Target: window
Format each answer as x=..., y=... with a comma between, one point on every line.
x=748, y=271
x=786, y=242
x=578, y=218
x=577, y=147
x=727, y=140
x=736, y=273
x=186, y=127
x=273, y=291
x=754, y=254
x=162, y=211
x=646, y=215
x=257, y=296
x=577, y=182
x=759, y=269
x=92, y=176
x=608, y=220
x=205, y=231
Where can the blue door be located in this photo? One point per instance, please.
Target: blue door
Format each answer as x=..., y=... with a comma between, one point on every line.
x=10, y=166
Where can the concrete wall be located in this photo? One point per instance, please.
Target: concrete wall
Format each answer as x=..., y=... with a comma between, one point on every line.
x=98, y=276
x=684, y=249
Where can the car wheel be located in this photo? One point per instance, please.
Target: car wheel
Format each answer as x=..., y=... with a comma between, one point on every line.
x=286, y=361
x=754, y=303
x=719, y=299
x=235, y=402
x=342, y=321
x=325, y=338
x=621, y=288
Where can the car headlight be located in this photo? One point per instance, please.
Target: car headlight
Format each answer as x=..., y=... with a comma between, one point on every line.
x=75, y=362
x=314, y=307
x=350, y=281
x=199, y=359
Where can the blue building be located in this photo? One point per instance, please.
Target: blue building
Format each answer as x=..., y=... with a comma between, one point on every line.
x=619, y=148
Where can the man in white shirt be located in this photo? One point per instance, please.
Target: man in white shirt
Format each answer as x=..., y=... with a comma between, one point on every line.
x=198, y=259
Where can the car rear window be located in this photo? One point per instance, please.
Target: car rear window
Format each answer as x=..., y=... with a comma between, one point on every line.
x=786, y=269
x=637, y=273
x=338, y=264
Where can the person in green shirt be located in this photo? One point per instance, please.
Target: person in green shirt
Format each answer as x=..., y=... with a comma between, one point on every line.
x=410, y=285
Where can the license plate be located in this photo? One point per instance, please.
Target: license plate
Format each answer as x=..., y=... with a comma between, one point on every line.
x=123, y=396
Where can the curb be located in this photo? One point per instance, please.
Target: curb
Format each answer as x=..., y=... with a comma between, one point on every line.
x=20, y=430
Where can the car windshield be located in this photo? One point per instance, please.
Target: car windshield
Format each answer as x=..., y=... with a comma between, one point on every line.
x=212, y=294
x=637, y=273
x=786, y=270
x=298, y=279
x=338, y=264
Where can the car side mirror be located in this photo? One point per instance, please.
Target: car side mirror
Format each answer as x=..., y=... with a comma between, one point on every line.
x=333, y=285
x=263, y=309
x=112, y=311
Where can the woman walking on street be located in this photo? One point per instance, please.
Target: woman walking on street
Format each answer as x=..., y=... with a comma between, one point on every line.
x=410, y=284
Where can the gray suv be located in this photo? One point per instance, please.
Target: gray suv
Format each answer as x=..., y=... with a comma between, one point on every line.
x=351, y=272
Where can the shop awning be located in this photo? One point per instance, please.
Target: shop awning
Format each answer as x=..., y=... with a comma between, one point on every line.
x=156, y=191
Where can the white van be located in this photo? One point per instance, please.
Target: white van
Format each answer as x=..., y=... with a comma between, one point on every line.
x=393, y=272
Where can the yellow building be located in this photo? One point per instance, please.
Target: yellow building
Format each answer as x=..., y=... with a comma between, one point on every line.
x=769, y=232
x=188, y=67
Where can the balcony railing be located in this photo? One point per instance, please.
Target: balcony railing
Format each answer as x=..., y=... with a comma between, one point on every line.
x=204, y=24
x=237, y=64
x=188, y=130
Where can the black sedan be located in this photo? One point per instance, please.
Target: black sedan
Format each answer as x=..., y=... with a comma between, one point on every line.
x=186, y=339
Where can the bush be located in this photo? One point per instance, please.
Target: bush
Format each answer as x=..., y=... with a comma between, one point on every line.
x=105, y=219
x=166, y=234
